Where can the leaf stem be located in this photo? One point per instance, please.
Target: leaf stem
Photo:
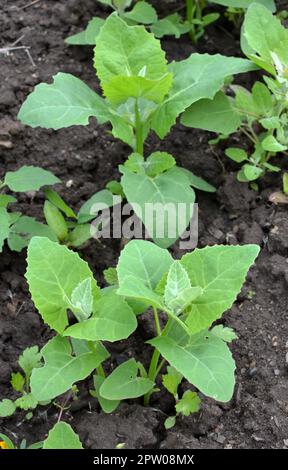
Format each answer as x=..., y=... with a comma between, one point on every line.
x=138, y=130
x=157, y=323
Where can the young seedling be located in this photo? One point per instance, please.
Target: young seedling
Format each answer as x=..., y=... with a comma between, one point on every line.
x=62, y=436
x=142, y=93
x=261, y=115
x=16, y=228
x=29, y=360
x=6, y=443
x=193, y=292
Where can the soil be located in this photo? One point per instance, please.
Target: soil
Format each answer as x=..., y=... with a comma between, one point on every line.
x=85, y=158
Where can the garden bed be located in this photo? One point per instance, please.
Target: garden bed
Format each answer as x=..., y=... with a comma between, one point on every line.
x=85, y=158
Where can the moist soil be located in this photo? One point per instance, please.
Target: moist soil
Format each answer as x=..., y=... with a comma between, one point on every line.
x=85, y=158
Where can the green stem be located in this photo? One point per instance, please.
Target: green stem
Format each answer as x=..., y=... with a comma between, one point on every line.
x=100, y=371
x=157, y=323
x=138, y=130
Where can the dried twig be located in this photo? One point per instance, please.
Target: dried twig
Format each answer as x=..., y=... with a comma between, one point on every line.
x=29, y=5
x=13, y=47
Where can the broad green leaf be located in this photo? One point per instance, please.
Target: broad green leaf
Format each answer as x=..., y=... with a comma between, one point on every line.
x=81, y=346
x=30, y=359
x=112, y=320
x=220, y=271
x=245, y=104
x=54, y=265
x=262, y=98
x=224, y=333
x=195, y=181
x=164, y=204
x=62, y=436
x=29, y=178
x=17, y=381
x=200, y=76
x=6, y=199
x=139, y=51
x=172, y=380
x=189, y=403
x=206, y=362
x=99, y=201
x=236, y=154
x=264, y=34
x=82, y=298
x=270, y=123
x=110, y=276
x=271, y=144
x=61, y=370
x=250, y=172
x=124, y=383
x=66, y=102
x=120, y=88
x=158, y=162
x=26, y=402
x=216, y=115
x=4, y=226
x=57, y=200
x=108, y=406
x=24, y=229
x=178, y=292
x=142, y=12
x=171, y=25
x=7, y=408
x=89, y=35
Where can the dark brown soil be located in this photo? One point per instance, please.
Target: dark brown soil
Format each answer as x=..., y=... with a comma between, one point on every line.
x=88, y=157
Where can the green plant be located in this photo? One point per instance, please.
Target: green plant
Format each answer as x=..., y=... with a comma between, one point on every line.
x=192, y=292
x=15, y=227
x=260, y=114
x=142, y=93
x=6, y=443
x=62, y=436
x=236, y=9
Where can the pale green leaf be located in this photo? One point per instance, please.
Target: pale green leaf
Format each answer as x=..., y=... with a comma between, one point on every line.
x=53, y=272
x=66, y=102
x=82, y=298
x=26, y=402
x=200, y=76
x=101, y=200
x=61, y=370
x=57, y=200
x=206, y=362
x=170, y=422
x=62, y=436
x=110, y=276
x=17, y=381
x=108, y=406
x=195, y=181
x=4, y=226
x=6, y=199
x=236, y=154
x=112, y=320
x=7, y=408
x=262, y=98
x=142, y=12
x=216, y=115
x=178, y=292
x=189, y=403
x=224, y=333
x=220, y=271
x=271, y=144
x=89, y=35
x=24, y=229
x=270, y=4
x=172, y=380
x=124, y=383
x=29, y=178
x=171, y=25
x=158, y=162
x=30, y=359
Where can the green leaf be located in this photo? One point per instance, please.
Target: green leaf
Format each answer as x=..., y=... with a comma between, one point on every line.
x=170, y=199
x=108, y=406
x=262, y=98
x=62, y=436
x=120, y=88
x=142, y=12
x=144, y=262
x=26, y=402
x=110, y=276
x=158, y=162
x=55, y=221
x=7, y=408
x=89, y=35
x=189, y=403
x=61, y=370
x=139, y=51
x=4, y=226
x=224, y=333
x=236, y=154
x=67, y=102
x=30, y=359
x=80, y=235
x=216, y=115
x=82, y=298
x=17, y=381
x=54, y=265
x=24, y=229
x=115, y=188
x=112, y=320
x=205, y=362
x=220, y=271
x=99, y=201
x=196, y=181
x=124, y=383
x=171, y=25
x=57, y=200
x=178, y=290
x=6, y=199
x=270, y=4
x=271, y=144
x=285, y=183
x=270, y=123
x=200, y=76
x=264, y=34
x=170, y=422
x=172, y=380
x=7, y=441
x=29, y=178
x=251, y=172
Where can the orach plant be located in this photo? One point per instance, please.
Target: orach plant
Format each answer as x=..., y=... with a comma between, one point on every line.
x=142, y=93
x=16, y=228
x=191, y=292
x=260, y=114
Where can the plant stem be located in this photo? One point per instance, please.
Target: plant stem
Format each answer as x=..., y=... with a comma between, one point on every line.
x=138, y=130
x=157, y=323
x=100, y=371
